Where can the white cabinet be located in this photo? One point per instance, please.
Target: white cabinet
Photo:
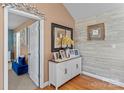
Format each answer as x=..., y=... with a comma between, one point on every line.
x=61, y=72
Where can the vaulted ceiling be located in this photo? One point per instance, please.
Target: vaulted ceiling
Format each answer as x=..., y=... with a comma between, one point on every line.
x=79, y=11
x=86, y=10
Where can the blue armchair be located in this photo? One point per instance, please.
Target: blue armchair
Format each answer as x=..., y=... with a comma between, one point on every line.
x=20, y=67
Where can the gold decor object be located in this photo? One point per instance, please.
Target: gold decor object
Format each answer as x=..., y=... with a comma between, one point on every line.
x=65, y=40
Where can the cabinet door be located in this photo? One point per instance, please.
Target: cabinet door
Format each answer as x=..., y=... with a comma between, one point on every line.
x=76, y=68
x=63, y=73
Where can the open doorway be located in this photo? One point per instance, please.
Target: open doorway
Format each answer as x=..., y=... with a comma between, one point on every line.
x=24, y=55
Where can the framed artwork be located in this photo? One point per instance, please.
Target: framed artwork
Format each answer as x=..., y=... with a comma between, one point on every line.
x=23, y=37
x=96, y=32
x=68, y=34
x=57, y=33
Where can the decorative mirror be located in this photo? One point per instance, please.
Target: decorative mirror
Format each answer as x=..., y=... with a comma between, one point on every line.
x=26, y=7
x=58, y=35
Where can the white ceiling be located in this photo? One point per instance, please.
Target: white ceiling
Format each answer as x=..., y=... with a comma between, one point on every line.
x=86, y=10
x=79, y=11
x=15, y=20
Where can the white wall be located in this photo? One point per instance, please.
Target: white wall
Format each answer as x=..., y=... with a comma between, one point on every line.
x=103, y=58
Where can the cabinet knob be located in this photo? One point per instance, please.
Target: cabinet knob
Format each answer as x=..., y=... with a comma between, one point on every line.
x=29, y=53
x=65, y=71
x=76, y=65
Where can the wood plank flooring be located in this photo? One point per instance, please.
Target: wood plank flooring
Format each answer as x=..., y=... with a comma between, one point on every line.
x=83, y=82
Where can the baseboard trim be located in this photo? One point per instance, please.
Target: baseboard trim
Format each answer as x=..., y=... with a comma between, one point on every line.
x=104, y=79
x=46, y=84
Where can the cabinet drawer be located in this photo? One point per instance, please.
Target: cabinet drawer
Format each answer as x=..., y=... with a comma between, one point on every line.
x=63, y=73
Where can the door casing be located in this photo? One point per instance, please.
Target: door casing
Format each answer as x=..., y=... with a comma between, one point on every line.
x=22, y=13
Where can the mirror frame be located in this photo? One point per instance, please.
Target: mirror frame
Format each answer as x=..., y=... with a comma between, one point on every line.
x=53, y=26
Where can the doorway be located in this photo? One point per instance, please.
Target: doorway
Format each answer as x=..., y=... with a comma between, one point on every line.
x=27, y=36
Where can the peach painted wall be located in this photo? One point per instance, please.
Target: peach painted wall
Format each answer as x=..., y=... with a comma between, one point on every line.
x=54, y=13
x=1, y=47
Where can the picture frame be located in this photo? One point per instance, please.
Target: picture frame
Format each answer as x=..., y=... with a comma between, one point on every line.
x=67, y=53
x=56, y=55
x=62, y=54
x=76, y=52
x=57, y=32
x=72, y=54
x=96, y=32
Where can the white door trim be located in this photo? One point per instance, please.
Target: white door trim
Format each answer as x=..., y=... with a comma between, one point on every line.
x=5, y=48
x=6, y=10
x=42, y=53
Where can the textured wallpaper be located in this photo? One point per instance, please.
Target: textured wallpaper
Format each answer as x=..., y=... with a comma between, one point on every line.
x=103, y=57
